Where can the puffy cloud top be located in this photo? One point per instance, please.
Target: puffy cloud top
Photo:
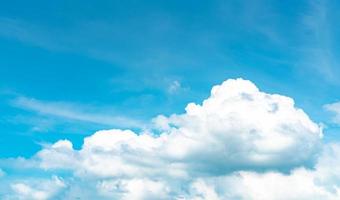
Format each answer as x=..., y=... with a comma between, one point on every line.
x=240, y=127
x=237, y=128
x=235, y=145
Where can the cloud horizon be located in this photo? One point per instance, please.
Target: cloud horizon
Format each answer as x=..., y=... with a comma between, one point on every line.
x=239, y=137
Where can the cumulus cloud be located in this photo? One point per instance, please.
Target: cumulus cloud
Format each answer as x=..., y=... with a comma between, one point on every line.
x=237, y=127
x=37, y=189
x=300, y=184
x=134, y=189
x=320, y=183
x=235, y=145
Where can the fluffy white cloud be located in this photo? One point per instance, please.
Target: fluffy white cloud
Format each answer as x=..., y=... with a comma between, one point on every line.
x=236, y=128
x=37, y=189
x=235, y=145
x=134, y=189
x=239, y=127
x=321, y=183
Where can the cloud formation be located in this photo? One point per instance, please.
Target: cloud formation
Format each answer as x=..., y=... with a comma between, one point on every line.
x=37, y=190
x=73, y=112
x=235, y=145
x=335, y=109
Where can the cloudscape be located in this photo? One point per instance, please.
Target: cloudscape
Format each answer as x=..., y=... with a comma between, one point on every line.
x=158, y=100
x=235, y=145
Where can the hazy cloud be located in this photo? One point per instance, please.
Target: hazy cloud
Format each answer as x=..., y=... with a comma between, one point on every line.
x=335, y=109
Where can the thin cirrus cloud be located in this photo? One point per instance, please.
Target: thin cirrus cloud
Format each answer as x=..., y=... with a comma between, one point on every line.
x=28, y=33
x=68, y=111
x=240, y=143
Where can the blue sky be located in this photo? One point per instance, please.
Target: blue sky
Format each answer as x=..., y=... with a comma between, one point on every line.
x=117, y=58
x=69, y=69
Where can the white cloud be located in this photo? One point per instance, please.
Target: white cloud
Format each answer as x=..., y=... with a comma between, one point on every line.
x=134, y=189
x=235, y=145
x=334, y=108
x=38, y=190
x=73, y=112
x=317, y=52
x=237, y=127
x=174, y=86
x=321, y=183
x=201, y=191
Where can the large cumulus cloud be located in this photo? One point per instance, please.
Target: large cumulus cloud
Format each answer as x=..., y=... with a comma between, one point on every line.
x=235, y=145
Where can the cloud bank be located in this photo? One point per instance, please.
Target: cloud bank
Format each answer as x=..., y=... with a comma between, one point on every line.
x=240, y=143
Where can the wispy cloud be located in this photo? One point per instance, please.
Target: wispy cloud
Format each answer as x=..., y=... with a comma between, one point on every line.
x=176, y=87
x=71, y=39
x=76, y=112
x=96, y=39
x=317, y=52
x=30, y=33
x=335, y=109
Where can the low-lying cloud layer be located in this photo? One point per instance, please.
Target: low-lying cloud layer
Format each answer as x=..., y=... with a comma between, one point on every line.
x=240, y=143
